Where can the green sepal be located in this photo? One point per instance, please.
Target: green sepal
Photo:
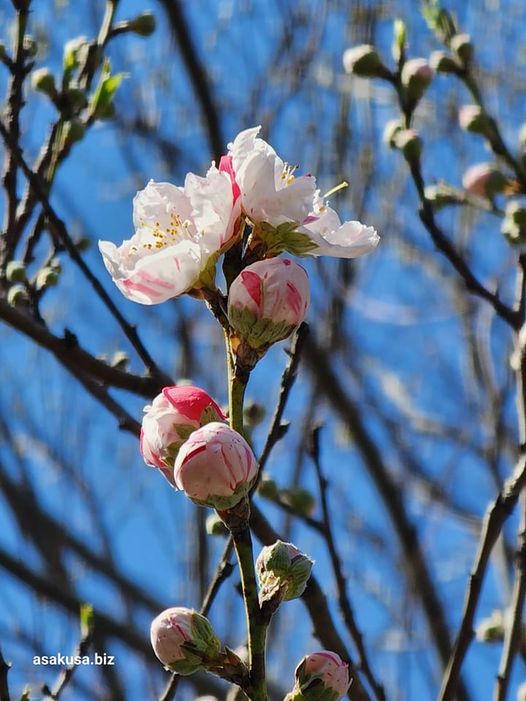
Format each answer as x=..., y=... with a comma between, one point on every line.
x=284, y=237
x=258, y=333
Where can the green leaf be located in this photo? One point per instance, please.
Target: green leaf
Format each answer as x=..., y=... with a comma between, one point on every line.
x=101, y=102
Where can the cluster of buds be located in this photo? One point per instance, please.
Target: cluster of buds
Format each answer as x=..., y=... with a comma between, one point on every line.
x=320, y=676
x=172, y=417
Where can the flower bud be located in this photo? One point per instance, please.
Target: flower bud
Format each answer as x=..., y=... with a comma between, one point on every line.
x=462, y=47
x=120, y=360
x=416, y=76
x=42, y=80
x=30, y=46
x=183, y=640
x=513, y=225
x=46, y=277
x=442, y=62
x=174, y=414
x=75, y=51
x=254, y=414
x=320, y=676
x=522, y=136
x=15, y=271
x=300, y=500
x=491, y=629
x=268, y=300
x=17, y=294
x=215, y=467
x=408, y=141
x=143, y=25
x=391, y=129
x=484, y=180
x=521, y=692
x=473, y=118
x=214, y=525
x=399, y=39
x=282, y=570
x=267, y=488
x=364, y=62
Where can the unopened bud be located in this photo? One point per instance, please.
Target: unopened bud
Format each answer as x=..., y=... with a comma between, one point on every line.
x=513, y=225
x=399, y=39
x=15, y=271
x=172, y=417
x=484, y=180
x=83, y=244
x=320, y=676
x=441, y=62
x=416, y=76
x=300, y=500
x=42, y=80
x=144, y=24
x=268, y=300
x=474, y=119
x=283, y=571
x=521, y=692
x=491, y=630
x=17, y=294
x=214, y=525
x=267, y=488
x=364, y=62
x=120, y=360
x=408, y=141
x=254, y=414
x=215, y=467
x=462, y=48
x=522, y=135
x=391, y=129
x=46, y=277
x=75, y=51
x=183, y=640
x=30, y=46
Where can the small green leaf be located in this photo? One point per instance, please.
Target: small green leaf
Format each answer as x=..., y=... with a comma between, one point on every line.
x=101, y=102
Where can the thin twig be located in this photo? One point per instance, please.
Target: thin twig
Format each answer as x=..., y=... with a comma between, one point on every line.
x=62, y=234
x=341, y=584
x=4, y=685
x=277, y=429
x=514, y=626
x=500, y=509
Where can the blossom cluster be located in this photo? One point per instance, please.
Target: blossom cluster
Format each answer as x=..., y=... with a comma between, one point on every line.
x=253, y=207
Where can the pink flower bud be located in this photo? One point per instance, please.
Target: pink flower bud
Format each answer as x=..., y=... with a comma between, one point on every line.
x=416, y=76
x=215, y=467
x=183, y=640
x=172, y=417
x=268, y=300
x=484, y=180
x=321, y=676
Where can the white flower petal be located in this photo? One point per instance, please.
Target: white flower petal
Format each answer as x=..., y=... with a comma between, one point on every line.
x=157, y=277
x=348, y=240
